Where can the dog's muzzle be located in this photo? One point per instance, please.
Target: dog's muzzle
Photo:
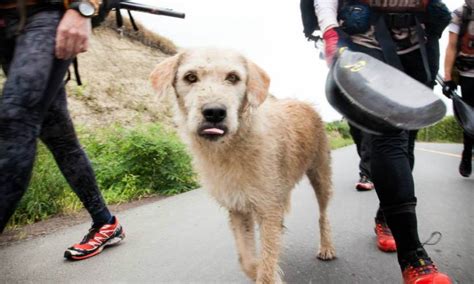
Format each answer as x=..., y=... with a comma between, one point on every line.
x=212, y=128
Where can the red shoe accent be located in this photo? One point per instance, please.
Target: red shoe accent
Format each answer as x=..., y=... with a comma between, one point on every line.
x=364, y=184
x=95, y=241
x=424, y=272
x=385, y=240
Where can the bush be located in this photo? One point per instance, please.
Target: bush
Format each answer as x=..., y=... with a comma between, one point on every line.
x=339, y=134
x=146, y=158
x=129, y=164
x=447, y=130
x=341, y=127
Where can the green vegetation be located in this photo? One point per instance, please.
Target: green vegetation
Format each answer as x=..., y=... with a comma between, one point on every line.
x=129, y=163
x=147, y=160
x=338, y=133
x=447, y=130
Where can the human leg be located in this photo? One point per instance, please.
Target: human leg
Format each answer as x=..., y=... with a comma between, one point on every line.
x=58, y=134
x=467, y=90
x=361, y=139
x=28, y=60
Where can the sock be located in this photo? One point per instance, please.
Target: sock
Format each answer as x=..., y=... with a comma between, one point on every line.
x=405, y=232
x=379, y=215
x=102, y=217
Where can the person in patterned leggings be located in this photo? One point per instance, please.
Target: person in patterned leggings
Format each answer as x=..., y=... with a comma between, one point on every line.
x=37, y=45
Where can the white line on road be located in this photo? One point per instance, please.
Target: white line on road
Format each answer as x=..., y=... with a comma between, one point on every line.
x=438, y=152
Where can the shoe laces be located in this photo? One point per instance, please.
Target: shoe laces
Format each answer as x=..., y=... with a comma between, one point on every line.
x=90, y=235
x=422, y=266
x=433, y=234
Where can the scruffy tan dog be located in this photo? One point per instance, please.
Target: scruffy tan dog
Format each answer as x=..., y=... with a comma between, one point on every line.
x=249, y=151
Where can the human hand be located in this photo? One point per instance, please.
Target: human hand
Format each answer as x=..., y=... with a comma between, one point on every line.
x=334, y=39
x=72, y=35
x=449, y=87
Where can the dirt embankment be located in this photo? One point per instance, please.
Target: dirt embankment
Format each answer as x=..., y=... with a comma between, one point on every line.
x=115, y=75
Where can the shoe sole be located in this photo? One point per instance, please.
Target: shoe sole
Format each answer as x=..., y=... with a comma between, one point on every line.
x=361, y=187
x=110, y=242
x=466, y=175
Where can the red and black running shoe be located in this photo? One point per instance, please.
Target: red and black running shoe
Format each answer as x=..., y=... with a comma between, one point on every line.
x=385, y=240
x=364, y=184
x=96, y=240
x=423, y=271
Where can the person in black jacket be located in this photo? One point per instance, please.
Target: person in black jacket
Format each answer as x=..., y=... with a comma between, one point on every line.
x=460, y=53
x=369, y=28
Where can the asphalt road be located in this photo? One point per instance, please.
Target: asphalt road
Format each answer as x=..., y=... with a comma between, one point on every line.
x=186, y=238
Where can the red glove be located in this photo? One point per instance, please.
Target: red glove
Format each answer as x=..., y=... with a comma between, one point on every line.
x=334, y=38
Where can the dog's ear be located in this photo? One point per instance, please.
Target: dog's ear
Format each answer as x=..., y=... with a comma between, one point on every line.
x=164, y=74
x=258, y=83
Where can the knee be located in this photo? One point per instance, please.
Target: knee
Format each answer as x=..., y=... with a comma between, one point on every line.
x=66, y=142
x=15, y=121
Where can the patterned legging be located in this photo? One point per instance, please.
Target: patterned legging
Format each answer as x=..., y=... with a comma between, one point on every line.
x=33, y=105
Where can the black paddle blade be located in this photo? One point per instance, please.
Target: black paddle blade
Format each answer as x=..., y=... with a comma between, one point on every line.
x=464, y=114
x=379, y=98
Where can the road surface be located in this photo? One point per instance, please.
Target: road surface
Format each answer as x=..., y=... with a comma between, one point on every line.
x=186, y=239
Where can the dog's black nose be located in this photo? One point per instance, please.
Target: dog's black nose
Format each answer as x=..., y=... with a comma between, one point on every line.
x=214, y=112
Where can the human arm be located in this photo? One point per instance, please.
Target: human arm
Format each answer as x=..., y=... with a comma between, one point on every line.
x=450, y=57
x=452, y=52
x=333, y=36
x=326, y=10
x=73, y=33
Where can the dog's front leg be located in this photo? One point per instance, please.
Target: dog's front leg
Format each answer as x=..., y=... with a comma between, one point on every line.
x=271, y=226
x=243, y=227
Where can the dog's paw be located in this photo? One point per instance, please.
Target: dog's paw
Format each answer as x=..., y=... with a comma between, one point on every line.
x=327, y=253
x=250, y=270
x=276, y=279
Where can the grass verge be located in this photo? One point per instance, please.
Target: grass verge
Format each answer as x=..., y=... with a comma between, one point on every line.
x=445, y=131
x=129, y=163
x=339, y=135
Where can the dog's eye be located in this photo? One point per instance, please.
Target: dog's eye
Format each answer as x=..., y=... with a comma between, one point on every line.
x=190, y=78
x=233, y=78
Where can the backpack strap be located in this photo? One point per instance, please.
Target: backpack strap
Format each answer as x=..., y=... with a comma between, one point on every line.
x=420, y=34
x=463, y=29
x=75, y=62
x=389, y=49
x=383, y=36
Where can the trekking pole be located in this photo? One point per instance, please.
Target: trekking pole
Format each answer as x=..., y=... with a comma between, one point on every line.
x=150, y=9
x=318, y=44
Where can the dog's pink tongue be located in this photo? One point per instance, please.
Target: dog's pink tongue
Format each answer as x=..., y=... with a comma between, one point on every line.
x=215, y=131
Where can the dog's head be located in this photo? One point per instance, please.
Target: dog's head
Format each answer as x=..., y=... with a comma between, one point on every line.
x=214, y=88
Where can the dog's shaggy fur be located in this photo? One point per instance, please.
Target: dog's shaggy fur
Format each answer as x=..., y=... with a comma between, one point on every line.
x=251, y=159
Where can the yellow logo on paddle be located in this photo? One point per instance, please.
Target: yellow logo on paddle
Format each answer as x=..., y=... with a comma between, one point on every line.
x=356, y=67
